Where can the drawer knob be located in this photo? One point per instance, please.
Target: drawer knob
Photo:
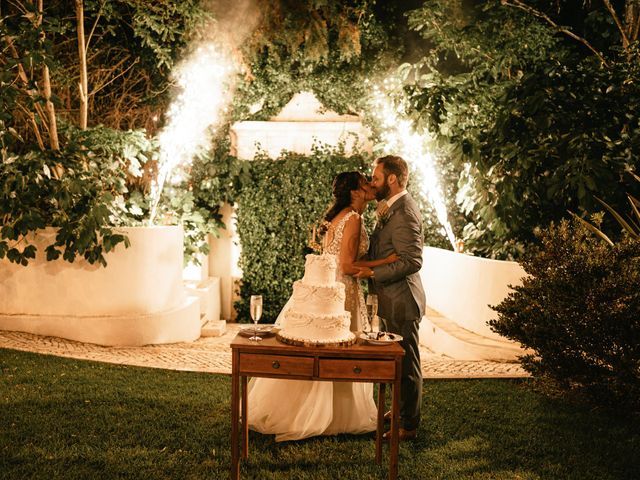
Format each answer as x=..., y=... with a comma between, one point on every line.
x=275, y=364
x=357, y=369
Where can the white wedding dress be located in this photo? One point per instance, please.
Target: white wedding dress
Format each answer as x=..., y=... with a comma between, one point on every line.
x=297, y=409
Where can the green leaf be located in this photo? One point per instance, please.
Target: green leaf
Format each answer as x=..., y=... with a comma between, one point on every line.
x=52, y=253
x=29, y=252
x=13, y=255
x=593, y=228
x=620, y=220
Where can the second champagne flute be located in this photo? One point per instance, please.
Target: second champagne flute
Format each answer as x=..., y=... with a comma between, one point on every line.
x=372, y=312
x=255, y=309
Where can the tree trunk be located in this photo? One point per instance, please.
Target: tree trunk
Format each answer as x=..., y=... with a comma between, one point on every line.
x=32, y=93
x=82, y=52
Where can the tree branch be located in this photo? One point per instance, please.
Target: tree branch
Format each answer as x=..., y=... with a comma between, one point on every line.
x=19, y=6
x=95, y=24
x=22, y=74
x=625, y=39
x=632, y=20
x=51, y=111
x=545, y=17
x=115, y=77
x=34, y=124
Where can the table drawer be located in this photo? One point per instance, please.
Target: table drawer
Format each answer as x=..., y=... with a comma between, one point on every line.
x=357, y=369
x=275, y=365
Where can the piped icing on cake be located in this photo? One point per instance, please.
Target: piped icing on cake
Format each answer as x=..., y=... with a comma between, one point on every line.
x=316, y=315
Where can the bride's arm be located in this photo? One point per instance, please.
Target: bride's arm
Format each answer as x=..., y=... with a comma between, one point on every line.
x=349, y=246
x=349, y=250
x=376, y=263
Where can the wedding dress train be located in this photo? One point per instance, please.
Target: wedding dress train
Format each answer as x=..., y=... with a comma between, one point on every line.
x=297, y=409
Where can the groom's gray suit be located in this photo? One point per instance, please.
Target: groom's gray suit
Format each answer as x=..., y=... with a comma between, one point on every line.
x=401, y=298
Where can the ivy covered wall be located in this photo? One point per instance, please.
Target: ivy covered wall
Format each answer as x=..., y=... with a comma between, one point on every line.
x=279, y=202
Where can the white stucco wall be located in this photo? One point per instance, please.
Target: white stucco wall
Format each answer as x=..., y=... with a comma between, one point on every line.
x=144, y=278
x=295, y=136
x=461, y=287
x=138, y=298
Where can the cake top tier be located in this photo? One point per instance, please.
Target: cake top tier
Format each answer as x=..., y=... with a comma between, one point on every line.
x=320, y=269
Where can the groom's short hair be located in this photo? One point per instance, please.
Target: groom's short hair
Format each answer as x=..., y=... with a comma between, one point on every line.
x=392, y=164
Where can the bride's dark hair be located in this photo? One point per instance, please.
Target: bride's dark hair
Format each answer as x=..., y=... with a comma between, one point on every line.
x=343, y=185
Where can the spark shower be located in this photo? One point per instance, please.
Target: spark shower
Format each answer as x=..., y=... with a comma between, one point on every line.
x=203, y=80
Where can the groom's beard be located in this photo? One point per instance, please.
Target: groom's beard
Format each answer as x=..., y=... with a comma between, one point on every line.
x=383, y=191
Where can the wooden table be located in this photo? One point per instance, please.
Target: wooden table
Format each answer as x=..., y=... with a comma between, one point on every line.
x=356, y=363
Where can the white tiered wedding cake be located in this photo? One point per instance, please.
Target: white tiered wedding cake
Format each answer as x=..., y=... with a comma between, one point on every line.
x=316, y=315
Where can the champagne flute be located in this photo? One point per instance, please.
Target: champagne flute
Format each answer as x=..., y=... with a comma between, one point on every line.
x=372, y=312
x=256, y=312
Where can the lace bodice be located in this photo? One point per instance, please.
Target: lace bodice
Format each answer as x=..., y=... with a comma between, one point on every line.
x=354, y=300
x=334, y=236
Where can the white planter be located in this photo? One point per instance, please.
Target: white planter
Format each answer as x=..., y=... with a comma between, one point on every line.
x=461, y=287
x=138, y=299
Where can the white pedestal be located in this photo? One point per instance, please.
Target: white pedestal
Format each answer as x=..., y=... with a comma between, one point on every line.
x=208, y=291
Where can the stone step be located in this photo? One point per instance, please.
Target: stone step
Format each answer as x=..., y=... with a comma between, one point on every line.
x=444, y=336
x=213, y=328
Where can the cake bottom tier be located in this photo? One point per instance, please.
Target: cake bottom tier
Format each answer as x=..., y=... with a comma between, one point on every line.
x=344, y=340
x=301, y=328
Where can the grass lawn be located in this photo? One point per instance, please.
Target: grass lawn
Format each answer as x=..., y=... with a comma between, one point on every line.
x=62, y=418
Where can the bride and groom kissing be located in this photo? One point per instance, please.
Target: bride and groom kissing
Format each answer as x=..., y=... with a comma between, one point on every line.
x=390, y=260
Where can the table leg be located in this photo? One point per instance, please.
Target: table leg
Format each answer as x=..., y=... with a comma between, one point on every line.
x=380, y=427
x=245, y=420
x=235, y=417
x=395, y=424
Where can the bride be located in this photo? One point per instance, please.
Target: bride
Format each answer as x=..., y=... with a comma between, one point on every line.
x=297, y=409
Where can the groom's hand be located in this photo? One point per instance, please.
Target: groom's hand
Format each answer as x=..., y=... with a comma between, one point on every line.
x=364, y=272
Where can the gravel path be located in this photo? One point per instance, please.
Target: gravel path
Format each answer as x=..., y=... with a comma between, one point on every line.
x=212, y=354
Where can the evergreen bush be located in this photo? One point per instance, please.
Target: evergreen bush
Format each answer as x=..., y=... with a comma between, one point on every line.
x=534, y=123
x=579, y=311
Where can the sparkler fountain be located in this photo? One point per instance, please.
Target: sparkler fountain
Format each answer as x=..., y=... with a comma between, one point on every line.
x=202, y=79
x=399, y=138
x=453, y=325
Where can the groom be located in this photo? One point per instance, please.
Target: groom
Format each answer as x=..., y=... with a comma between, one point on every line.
x=401, y=298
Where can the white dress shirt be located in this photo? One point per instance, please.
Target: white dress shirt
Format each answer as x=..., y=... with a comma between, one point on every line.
x=393, y=199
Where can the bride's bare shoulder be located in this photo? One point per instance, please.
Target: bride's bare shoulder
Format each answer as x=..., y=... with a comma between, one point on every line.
x=341, y=214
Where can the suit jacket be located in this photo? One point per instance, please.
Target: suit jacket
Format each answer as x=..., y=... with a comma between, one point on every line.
x=398, y=283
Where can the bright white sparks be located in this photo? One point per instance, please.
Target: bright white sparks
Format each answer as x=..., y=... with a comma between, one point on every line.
x=399, y=138
x=201, y=79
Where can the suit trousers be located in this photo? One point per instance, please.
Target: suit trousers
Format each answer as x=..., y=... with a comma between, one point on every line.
x=407, y=324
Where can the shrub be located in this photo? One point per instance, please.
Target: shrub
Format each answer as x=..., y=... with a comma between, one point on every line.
x=533, y=131
x=93, y=184
x=579, y=311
